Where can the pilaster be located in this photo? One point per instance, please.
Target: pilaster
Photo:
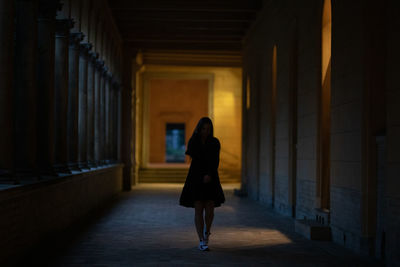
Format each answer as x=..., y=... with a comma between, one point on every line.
x=25, y=90
x=83, y=110
x=46, y=86
x=7, y=27
x=63, y=27
x=90, y=109
x=73, y=100
x=97, y=111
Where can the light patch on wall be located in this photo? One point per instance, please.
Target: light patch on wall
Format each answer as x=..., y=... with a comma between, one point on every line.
x=248, y=93
x=323, y=181
x=274, y=68
x=326, y=39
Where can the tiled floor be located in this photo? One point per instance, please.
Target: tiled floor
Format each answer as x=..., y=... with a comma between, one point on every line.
x=147, y=227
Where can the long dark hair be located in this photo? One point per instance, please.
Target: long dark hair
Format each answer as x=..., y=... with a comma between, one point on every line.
x=200, y=124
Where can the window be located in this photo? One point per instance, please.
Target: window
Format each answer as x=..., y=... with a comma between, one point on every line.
x=175, y=143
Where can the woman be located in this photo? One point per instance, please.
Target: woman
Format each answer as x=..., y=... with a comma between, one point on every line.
x=202, y=190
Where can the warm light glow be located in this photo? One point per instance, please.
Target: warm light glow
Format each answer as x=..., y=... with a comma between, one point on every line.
x=224, y=107
x=325, y=109
x=250, y=237
x=248, y=93
x=326, y=39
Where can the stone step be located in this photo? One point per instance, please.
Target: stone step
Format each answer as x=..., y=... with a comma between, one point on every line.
x=178, y=175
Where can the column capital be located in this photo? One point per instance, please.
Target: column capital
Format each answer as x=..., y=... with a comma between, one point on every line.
x=63, y=26
x=75, y=39
x=104, y=71
x=48, y=9
x=109, y=75
x=116, y=85
x=99, y=62
x=114, y=81
x=84, y=48
x=92, y=56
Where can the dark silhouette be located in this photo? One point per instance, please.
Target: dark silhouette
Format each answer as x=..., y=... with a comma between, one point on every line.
x=202, y=189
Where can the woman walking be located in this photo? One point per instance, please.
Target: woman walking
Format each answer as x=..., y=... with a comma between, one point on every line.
x=202, y=190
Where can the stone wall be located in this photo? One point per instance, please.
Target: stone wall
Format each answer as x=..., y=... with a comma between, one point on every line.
x=390, y=197
x=33, y=212
x=358, y=111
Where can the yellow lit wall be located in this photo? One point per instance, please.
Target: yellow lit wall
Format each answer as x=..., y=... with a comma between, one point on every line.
x=326, y=39
x=174, y=101
x=224, y=107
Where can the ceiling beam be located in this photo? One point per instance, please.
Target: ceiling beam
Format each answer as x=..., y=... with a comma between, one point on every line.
x=178, y=15
x=216, y=46
x=145, y=30
x=185, y=36
x=162, y=25
x=204, y=4
x=183, y=9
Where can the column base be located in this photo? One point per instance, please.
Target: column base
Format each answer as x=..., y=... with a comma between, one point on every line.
x=73, y=167
x=48, y=172
x=61, y=168
x=5, y=173
x=26, y=175
x=100, y=163
x=107, y=161
x=92, y=164
x=7, y=177
x=83, y=165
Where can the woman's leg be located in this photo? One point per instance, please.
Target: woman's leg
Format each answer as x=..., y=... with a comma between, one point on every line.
x=209, y=211
x=198, y=218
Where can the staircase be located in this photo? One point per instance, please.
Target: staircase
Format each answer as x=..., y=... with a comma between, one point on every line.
x=178, y=175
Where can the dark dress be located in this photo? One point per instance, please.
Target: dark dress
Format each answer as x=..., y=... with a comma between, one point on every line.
x=205, y=160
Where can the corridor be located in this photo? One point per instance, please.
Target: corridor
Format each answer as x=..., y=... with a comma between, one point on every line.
x=99, y=97
x=146, y=227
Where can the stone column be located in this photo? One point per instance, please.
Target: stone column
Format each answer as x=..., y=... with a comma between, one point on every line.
x=90, y=108
x=112, y=121
x=63, y=27
x=127, y=121
x=107, y=111
x=115, y=119
x=25, y=90
x=7, y=26
x=83, y=111
x=73, y=100
x=97, y=113
x=119, y=123
x=45, y=84
x=102, y=118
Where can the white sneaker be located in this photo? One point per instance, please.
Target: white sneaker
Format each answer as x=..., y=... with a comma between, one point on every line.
x=203, y=246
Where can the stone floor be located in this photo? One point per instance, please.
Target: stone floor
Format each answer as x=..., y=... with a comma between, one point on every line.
x=147, y=227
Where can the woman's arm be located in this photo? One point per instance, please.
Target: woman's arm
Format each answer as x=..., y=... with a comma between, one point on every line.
x=213, y=158
x=192, y=149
